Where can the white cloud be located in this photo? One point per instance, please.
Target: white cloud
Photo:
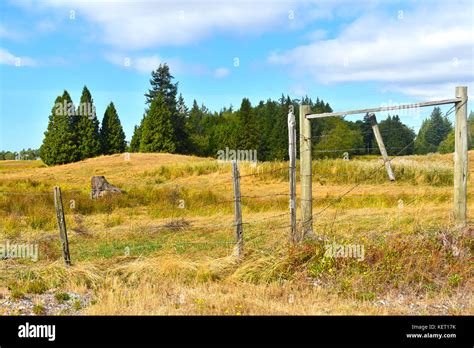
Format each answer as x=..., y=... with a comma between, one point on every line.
x=146, y=64
x=9, y=34
x=133, y=25
x=316, y=35
x=430, y=48
x=435, y=91
x=221, y=73
x=8, y=58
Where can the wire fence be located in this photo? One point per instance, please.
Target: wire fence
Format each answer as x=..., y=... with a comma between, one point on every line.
x=181, y=223
x=277, y=220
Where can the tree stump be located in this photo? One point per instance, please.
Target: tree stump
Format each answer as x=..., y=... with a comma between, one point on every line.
x=100, y=187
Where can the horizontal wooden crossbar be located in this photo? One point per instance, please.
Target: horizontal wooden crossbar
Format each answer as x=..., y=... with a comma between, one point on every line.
x=385, y=108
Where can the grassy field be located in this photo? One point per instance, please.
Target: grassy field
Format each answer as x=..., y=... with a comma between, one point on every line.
x=166, y=245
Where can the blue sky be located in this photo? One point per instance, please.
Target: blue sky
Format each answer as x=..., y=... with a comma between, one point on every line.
x=352, y=54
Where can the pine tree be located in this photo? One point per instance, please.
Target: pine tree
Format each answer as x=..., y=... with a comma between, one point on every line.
x=59, y=144
x=224, y=133
x=341, y=138
x=439, y=128
x=193, y=123
x=179, y=126
x=157, y=132
x=369, y=138
x=136, y=138
x=161, y=83
x=111, y=133
x=199, y=141
x=432, y=132
x=447, y=145
x=86, y=127
x=422, y=146
x=266, y=114
x=397, y=137
x=279, y=131
x=248, y=136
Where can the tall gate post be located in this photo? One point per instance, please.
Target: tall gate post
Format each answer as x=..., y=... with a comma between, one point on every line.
x=305, y=173
x=461, y=157
x=292, y=172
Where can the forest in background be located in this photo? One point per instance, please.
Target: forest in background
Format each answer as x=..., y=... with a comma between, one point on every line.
x=169, y=125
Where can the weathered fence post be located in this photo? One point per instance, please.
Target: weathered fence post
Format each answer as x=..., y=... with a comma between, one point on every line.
x=292, y=172
x=461, y=157
x=237, y=210
x=58, y=204
x=383, y=151
x=305, y=173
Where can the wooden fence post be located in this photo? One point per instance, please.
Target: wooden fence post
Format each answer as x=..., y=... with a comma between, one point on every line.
x=237, y=210
x=383, y=151
x=292, y=172
x=58, y=204
x=461, y=158
x=305, y=173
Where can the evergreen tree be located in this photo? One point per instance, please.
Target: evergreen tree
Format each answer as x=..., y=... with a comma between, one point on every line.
x=111, y=133
x=136, y=138
x=179, y=127
x=86, y=127
x=279, y=132
x=59, y=145
x=321, y=125
x=447, y=145
x=161, y=83
x=397, y=137
x=224, y=133
x=247, y=125
x=194, y=120
x=432, y=132
x=157, y=132
x=266, y=114
x=421, y=144
x=365, y=127
x=341, y=138
x=440, y=127
x=199, y=140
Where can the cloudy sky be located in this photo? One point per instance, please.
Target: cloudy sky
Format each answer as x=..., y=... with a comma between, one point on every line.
x=350, y=53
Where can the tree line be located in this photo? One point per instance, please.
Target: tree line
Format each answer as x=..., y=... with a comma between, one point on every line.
x=25, y=154
x=74, y=134
x=168, y=125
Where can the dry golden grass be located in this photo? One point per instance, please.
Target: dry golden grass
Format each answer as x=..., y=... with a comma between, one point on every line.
x=140, y=253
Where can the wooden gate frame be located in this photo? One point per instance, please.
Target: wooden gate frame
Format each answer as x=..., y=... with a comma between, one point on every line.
x=460, y=153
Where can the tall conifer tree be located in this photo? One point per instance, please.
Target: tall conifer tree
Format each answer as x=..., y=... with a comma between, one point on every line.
x=86, y=127
x=59, y=145
x=111, y=132
x=157, y=131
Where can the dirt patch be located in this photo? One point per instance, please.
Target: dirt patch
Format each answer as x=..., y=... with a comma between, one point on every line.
x=52, y=302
